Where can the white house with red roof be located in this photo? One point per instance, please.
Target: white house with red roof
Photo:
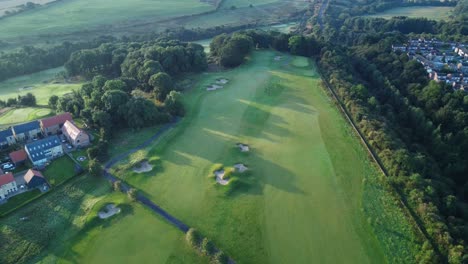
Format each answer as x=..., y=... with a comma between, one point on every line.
x=77, y=137
x=7, y=185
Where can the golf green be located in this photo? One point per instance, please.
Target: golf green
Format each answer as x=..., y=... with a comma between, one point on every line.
x=303, y=198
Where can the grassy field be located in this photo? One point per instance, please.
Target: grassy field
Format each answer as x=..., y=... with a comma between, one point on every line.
x=21, y=115
x=40, y=84
x=77, y=15
x=304, y=196
x=63, y=228
x=430, y=12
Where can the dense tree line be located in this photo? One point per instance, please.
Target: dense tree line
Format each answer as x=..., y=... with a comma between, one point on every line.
x=22, y=100
x=417, y=127
x=30, y=59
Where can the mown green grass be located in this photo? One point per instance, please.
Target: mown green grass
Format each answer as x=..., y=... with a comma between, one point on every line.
x=63, y=227
x=303, y=199
x=60, y=170
x=40, y=84
x=21, y=115
x=77, y=15
x=430, y=12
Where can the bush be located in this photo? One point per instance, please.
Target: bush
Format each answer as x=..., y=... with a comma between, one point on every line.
x=117, y=185
x=220, y=258
x=207, y=247
x=94, y=168
x=132, y=194
x=193, y=237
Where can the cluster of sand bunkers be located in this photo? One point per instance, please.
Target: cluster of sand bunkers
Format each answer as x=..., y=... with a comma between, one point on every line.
x=220, y=174
x=219, y=84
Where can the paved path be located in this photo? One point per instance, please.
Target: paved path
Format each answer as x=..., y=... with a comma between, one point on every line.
x=141, y=198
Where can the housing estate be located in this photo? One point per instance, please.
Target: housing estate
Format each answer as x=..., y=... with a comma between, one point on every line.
x=42, y=151
x=34, y=179
x=77, y=137
x=444, y=61
x=53, y=125
x=26, y=131
x=7, y=185
x=6, y=138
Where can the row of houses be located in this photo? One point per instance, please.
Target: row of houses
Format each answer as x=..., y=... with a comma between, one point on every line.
x=9, y=185
x=33, y=130
x=41, y=151
x=444, y=61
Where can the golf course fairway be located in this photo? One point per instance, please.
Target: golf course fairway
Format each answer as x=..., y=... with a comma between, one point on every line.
x=302, y=198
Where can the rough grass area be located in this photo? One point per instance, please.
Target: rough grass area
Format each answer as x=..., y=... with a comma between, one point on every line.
x=304, y=196
x=63, y=227
x=126, y=139
x=42, y=84
x=60, y=170
x=18, y=201
x=21, y=115
x=429, y=12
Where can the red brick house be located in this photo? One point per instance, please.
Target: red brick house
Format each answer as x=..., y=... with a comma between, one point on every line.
x=52, y=125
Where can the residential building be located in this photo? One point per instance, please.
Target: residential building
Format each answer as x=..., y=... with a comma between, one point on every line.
x=77, y=137
x=26, y=131
x=42, y=151
x=6, y=138
x=53, y=125
x=18, y=157
x=7, y=185
x=34, y=179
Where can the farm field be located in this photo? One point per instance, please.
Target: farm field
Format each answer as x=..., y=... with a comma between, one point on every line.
x=76, y=15
x=63, y=227
x=40, y=84
x=430, y=12
x=304, y=196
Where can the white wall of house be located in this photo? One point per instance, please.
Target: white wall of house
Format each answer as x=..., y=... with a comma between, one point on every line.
x=7, y=189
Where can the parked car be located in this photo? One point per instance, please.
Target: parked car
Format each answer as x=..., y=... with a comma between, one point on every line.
x=8, y=166
x=69, y=146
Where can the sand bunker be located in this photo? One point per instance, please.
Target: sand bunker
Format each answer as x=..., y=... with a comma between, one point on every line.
x=278, y=58
x=109, y=211
x=220, y=177
x=26, y=88
x=243, y=147
x=143, y=167
x=214, y=87
x=222, y=81
x=240, y=167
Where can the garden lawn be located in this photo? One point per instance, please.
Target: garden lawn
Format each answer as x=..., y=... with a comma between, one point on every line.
x=60, y=170
x=18, y=201
x=40, y=84
x=303, y=198
x=429, y=12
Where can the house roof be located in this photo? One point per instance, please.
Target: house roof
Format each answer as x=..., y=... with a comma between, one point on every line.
x=4, y=134
x=18, y=156
x=30, y=175
x=6, y=178
x=37, y=149
x=72, y=130
x=26, y=127
x=56, y=120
